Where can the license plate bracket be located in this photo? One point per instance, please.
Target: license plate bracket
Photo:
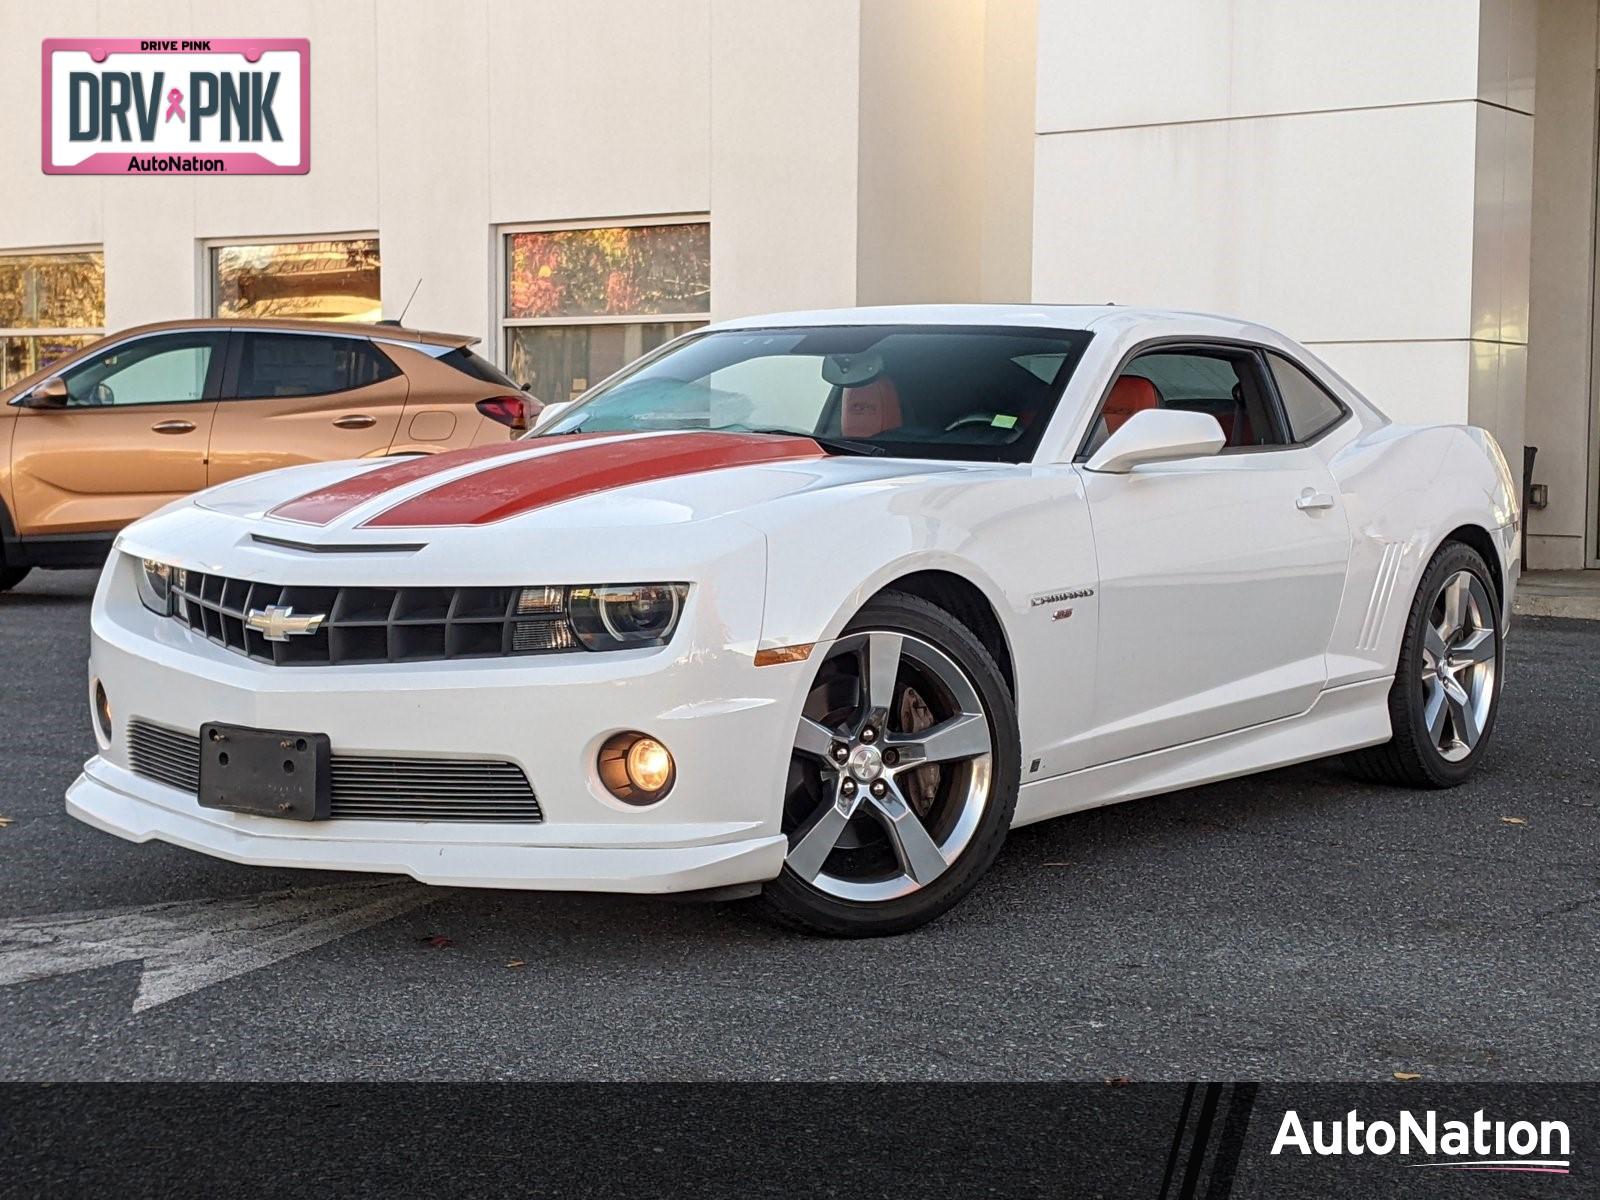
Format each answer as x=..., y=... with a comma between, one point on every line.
x=265, y=772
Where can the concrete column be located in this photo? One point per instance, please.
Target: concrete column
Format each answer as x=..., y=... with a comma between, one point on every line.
x=1561, y=303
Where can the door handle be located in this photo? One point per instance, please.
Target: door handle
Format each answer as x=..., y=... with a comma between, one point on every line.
x=355, y=421
x=1310, y=499
x=173, y=427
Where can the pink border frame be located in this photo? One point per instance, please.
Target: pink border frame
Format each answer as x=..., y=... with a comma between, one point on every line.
x=115, y=162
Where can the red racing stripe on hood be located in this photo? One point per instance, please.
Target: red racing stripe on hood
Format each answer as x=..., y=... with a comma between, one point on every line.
x=328, y=504
x=514, y=488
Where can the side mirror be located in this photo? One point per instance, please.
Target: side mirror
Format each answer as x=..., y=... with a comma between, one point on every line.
x=550, y=412
x=52, y=393
x=1157, y=435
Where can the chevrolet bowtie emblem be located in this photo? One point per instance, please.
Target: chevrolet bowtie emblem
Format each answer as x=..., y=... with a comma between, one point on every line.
x=277, y=622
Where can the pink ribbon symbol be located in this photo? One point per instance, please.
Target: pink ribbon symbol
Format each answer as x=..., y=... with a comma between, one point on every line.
x=175, y=106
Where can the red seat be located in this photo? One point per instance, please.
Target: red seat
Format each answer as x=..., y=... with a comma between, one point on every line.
x=870, y=409
x=1130, y=394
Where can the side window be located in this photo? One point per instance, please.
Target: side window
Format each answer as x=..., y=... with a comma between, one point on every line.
x=478, y=368
x=307, y=364
x=1308, y=406
x=1225, y=384
x=164, y=369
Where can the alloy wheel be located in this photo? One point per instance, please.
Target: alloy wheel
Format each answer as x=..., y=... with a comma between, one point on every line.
x=892, y=768
x=1460, y=655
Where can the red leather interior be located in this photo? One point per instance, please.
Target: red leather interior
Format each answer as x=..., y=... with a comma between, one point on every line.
x=1236, y=428
x=1129, y=395
x=870, y=409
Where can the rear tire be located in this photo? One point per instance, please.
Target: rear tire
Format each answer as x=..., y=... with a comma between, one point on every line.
x=1446, y=690
x=900, y=792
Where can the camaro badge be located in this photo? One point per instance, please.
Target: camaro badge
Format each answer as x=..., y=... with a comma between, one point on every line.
x=277, y=622
x=1058, y=597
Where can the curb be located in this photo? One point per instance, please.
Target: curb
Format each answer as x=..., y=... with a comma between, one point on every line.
x=1582, y=608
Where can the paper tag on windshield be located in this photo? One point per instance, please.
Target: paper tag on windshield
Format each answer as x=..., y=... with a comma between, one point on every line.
x=1004, y=421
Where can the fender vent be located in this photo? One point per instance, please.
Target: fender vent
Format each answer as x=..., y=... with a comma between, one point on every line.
x=1383, y=586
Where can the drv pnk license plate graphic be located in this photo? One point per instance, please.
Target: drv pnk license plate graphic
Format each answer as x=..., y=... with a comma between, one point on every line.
x=170, y=106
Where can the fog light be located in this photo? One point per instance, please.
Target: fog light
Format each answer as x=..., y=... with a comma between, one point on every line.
x=649, y=765
x=102, y=710
x=636, y=768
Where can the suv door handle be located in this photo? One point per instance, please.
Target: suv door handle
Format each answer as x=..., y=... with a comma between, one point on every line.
x=1310, y=499
x=355, y=421
x=173, y=427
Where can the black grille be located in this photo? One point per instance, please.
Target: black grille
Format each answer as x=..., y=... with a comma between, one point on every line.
x=365, y=788
x=373, y=624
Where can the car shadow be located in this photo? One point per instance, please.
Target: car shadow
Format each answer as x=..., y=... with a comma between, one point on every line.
x=52, y=589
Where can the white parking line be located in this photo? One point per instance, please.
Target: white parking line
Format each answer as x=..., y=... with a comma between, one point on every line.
x=186, y=945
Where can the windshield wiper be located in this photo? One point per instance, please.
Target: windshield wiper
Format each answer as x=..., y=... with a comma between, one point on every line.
x=831, y=444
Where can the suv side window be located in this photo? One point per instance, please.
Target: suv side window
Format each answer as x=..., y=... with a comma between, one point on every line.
x=1305, y=402
x=306, y=364
x=167, y=368
x=477, y=367
x=1225, y=383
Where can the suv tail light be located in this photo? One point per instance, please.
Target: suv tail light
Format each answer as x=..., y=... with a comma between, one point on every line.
x=517, y=412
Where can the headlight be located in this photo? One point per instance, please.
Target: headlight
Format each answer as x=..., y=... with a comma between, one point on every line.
x=155, y=585
x=616, y=616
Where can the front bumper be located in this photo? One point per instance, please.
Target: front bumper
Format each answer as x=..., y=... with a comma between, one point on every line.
x=729, y=725
x=117, y=801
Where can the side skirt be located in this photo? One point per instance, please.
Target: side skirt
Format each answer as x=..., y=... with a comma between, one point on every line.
x=67, y=551
x=1342, y=718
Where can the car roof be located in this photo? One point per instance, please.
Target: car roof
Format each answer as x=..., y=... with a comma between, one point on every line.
x=1021, y=316
x=393, y=333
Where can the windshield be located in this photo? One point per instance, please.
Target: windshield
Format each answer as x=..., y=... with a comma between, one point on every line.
x=911, y=391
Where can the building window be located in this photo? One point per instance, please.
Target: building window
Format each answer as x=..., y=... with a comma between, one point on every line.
x=580, y=302
x=51, y=303
x=329, y=280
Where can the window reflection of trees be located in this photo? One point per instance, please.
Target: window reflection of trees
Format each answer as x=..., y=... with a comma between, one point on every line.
x=570, y=293
x=334, y=280
x=632, y=270
x=62, y=295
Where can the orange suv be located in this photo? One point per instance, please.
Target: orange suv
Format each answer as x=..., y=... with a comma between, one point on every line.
x=135, y=420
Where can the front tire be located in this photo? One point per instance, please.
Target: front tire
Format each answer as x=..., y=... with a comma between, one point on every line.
x=10, y=576
x=1446, y=689
x=903, y=777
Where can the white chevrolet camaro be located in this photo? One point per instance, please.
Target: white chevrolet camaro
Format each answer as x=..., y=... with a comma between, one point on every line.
x=817, y=605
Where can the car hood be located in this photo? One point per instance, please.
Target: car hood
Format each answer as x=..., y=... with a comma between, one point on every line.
x=580, y=502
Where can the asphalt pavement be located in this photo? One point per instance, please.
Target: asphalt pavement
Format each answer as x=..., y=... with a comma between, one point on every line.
x=1291, y=926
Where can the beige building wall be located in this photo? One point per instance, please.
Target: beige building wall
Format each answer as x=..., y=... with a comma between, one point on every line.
x=1010, y=72
x=847, y=151
x=1357, y=174
x=946, y=150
